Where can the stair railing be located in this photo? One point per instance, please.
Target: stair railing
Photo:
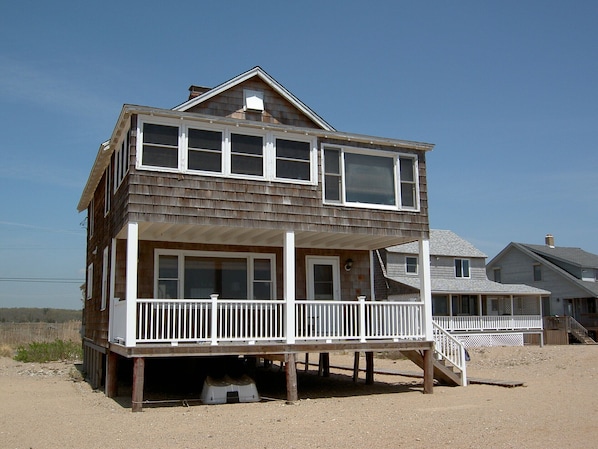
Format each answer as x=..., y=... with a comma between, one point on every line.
x=575, y=327
x=450, y=349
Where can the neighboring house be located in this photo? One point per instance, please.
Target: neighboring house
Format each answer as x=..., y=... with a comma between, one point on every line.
x=241, y=223
x=464, y=302
x=570, y=274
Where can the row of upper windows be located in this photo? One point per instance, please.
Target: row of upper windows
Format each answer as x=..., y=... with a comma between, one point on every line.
x=461, y=267
x=351, y=176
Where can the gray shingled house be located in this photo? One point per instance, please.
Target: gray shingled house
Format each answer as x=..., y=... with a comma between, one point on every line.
x=465, y=302
x=570, y=274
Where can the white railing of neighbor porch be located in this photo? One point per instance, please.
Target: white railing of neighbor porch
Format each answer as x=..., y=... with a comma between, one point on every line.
x=489, y=323
x=193, y=321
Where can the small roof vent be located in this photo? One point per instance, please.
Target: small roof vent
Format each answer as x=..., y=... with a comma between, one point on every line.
x=253, y=100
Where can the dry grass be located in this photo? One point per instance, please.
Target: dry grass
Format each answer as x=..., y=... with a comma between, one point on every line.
x=13, y=335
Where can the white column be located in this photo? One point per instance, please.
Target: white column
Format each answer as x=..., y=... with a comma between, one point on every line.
x=372, y=283
x=425, y=289
x=289, y=284
x=112, y=283
x=131, y=282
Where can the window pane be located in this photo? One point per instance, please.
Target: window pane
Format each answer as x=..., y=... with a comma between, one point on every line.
x=160, y=134
x=407, y=195
x=234, y=278
x=292, y=169
x=247, y=165
x=168, y=289
x=204, y=160
x=160, y=156
x=207, y=140
x=262, y=290
x=205, y=150
x=247, y=144
x=411, y=265
x=292, y=149
x=369, y=179
x=332, y=161
x=200, y=277
x=332, y=188
x=168, y=267
x=160, y=145
x=262, y=270
x=465, y=268
x=406, y=169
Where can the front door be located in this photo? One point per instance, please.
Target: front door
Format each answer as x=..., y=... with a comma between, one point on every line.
x=323, y=284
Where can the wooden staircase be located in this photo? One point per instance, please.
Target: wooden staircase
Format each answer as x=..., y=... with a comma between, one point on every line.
x=449, y=358
x=580, y=333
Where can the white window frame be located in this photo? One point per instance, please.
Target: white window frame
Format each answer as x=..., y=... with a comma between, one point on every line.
x=411, y=273
x=121, y=161
x=461, y=263
x=89, y=288
x=105, y=265
x=181, y=254
x=108, y=189
x=377, y=153
x=268, y=155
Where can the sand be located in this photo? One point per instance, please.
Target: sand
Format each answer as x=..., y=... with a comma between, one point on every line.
x=46, y=406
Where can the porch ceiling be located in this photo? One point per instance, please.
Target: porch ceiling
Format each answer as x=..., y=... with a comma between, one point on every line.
x=188, y=233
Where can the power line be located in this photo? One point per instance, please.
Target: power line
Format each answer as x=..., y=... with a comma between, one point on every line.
x=42, y=280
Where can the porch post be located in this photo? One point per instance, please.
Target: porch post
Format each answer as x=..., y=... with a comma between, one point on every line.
x=425, y=289
x=480, y=312
x=289, y=284
x=138, y=381
x=131, y=282
x=112, y=283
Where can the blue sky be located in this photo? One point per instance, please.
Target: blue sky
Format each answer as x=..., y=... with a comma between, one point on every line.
x=507, y=90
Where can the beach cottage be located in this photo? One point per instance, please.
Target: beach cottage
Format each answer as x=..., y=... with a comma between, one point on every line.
x=241, y=223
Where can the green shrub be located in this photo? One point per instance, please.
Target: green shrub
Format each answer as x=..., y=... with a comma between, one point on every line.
x=45, y=352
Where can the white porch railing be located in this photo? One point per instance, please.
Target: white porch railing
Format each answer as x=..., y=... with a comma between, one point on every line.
x=250, y=321
x=452, y=349
x=489, y=323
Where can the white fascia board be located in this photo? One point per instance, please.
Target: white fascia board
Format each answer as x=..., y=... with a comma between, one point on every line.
x=257, y=71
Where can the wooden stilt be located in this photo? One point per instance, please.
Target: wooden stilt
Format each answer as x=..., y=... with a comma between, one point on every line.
x=324, y=365
x=369, y=368
x=291, y=374
x=111, y=374
x=138, y=379
x=428, y=371
x=306, y=368
x=356, y=367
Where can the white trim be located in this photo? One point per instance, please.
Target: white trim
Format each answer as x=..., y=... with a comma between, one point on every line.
x=105, y=265
x=131, y=282
x=256, y=71
x=89, y=286
x=268, y=150
x=334, y=261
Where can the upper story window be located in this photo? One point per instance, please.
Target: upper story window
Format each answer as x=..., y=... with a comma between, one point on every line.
x=368, y=178
x=537, y=272
x=293, y=159
x=589, y=274
x=497, y=275
x=107, y=190
x=247, y=154
x=411, y=265
x=121, y=162
x=204, y=150
x=216, y=150
x=160, y=145
x=462, y=268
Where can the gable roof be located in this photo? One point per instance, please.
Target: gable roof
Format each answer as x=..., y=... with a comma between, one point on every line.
x=275, y=85
x=543, y=253
x=442, y=243
x=574, y=256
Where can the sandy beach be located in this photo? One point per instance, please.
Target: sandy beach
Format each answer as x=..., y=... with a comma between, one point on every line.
x=47, y=406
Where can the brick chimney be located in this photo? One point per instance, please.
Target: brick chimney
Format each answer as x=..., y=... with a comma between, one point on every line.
x=549, y=240
x=196, y=91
